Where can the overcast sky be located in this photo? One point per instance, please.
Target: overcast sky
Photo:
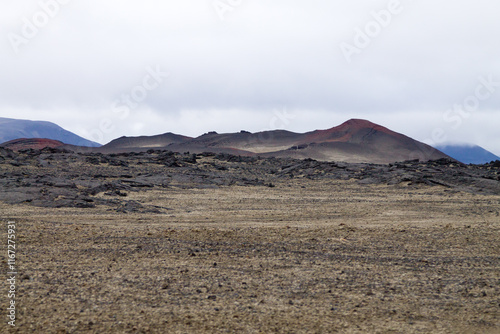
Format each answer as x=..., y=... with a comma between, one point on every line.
x=104, y=69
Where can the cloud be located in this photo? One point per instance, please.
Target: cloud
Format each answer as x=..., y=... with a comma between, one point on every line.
x=231, y=74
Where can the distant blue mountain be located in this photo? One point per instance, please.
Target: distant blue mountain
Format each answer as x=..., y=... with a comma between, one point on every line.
x=468, y=154
x=16, y=128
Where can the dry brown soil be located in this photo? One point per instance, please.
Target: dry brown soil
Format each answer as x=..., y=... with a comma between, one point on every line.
x=305, y=256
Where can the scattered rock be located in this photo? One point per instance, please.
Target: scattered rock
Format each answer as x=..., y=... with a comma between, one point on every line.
x=55, y=178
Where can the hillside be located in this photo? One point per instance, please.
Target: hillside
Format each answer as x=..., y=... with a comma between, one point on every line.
x=468, y=154
x=31, y=143
x=16, y=128
x=141, y=143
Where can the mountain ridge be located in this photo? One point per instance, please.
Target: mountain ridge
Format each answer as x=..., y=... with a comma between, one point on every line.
x=355, y=140
x=11, y=128
x=152, y=141
x=468, y=153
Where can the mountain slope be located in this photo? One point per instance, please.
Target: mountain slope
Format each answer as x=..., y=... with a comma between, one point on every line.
x=468, y=154
x=16, y=128
x=260, y=142
x=143, y=142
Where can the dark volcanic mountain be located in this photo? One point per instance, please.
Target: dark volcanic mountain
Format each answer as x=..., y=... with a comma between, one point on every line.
x=361, y=141
x=16, y=128
x=468, y=154
x=353, y=141
x=143, y=143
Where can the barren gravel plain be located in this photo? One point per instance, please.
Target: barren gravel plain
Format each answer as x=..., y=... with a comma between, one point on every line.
x=319, y=251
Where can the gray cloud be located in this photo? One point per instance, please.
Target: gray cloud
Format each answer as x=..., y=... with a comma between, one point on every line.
x=231, y=74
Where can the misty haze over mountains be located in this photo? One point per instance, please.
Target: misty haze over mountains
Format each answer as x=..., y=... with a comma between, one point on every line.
x=468, y=153
x=355, y=140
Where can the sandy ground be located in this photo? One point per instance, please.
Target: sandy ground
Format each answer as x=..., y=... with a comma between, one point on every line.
x=303, y=257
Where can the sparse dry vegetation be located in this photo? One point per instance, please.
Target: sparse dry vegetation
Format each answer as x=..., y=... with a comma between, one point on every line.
x=316, y=252
x=302, y=257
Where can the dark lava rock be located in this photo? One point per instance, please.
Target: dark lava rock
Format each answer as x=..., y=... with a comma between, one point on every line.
x=107, y=187
x=190, y=159
x=129, y=206
x=118, y=163
x=52, y=178
x=93, y=160
x=7, y=153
